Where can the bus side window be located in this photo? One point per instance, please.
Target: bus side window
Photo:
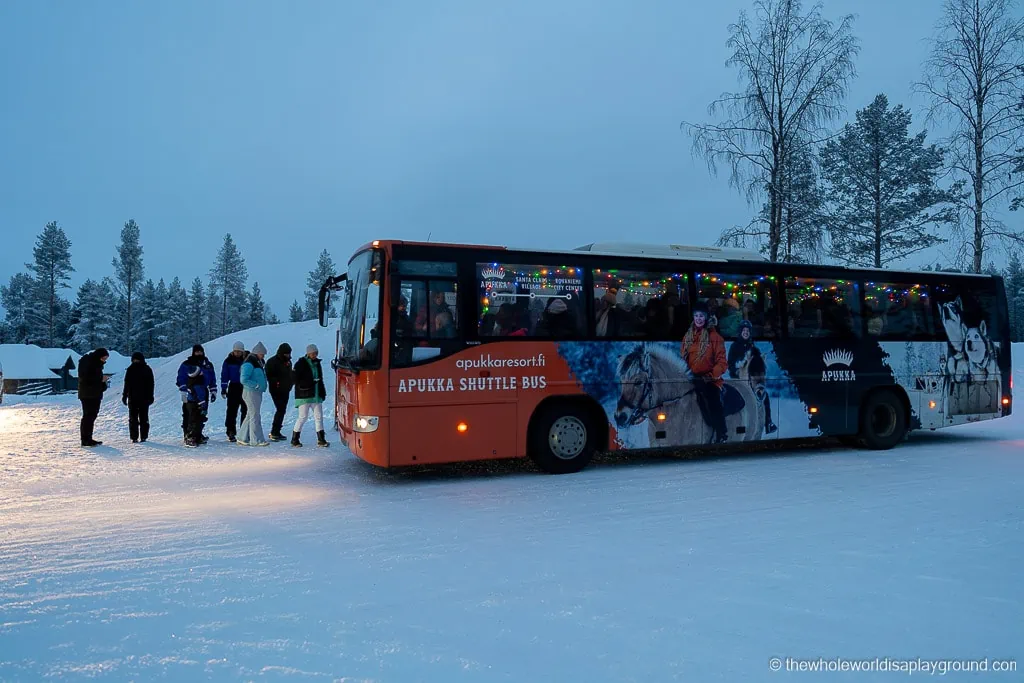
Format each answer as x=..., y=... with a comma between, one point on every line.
x=822, y=309
x=443, y=310
x=643, y=304
x=736, y=300
x=897, y=311
x=522, y=300
x=426, y=322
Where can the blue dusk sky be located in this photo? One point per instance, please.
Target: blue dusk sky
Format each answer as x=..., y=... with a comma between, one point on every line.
x=325, y=124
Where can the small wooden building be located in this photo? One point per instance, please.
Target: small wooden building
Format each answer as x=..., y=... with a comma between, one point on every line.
x=29, y=370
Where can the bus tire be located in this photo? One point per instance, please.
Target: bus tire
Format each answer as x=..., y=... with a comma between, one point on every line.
x=563, y=438
x=883, y=420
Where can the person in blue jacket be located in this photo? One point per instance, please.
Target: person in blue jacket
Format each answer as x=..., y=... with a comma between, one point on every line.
x=231, y=387
x=254, y=384
x=197, y=382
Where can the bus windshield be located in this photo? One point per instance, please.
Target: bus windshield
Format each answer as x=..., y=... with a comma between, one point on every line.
x=360, y=325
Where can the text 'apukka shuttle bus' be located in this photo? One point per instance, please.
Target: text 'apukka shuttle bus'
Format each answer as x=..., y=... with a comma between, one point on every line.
x=452, y=353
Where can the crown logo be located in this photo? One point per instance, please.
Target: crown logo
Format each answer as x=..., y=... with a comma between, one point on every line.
x=492, y=272
x=837, y=357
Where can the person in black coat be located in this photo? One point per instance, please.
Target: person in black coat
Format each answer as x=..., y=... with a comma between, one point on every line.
x=138, y=396
x=91, y=386
x=310, y=395
x=280, y=378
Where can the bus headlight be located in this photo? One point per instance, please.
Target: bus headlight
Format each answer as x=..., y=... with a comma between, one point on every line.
x=366, y=423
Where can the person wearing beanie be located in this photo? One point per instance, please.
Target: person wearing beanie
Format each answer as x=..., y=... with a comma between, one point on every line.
x=91, y=386
x=310, y=394
x=280, y=381
x=138, y=396
x=231, y=388
x=197, y=383
x=254, y=384
x=703, y=349
x=746, y=362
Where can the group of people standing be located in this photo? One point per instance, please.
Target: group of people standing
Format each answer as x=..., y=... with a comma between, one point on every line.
x=245, y=377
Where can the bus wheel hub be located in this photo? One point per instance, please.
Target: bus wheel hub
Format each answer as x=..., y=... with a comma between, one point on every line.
x=567, y=437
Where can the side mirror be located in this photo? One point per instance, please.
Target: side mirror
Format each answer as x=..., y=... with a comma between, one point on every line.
x=324, y=296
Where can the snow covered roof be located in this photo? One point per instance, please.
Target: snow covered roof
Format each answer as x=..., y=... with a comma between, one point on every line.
x=58, y=358
x=27, y=361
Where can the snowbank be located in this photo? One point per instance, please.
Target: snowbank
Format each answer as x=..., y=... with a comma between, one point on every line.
x=116, y=364
x=165, y=414
x=27, y=361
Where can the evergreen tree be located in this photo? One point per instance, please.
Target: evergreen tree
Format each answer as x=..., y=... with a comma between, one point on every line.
x=325, y=268
x=197, y=308
x=93, y=318
x=295, y=313
x=17, y=297
x=228, y=279
x=272, y=319
x=177, y=317
x=214, y=311
x=144, y=333
x=163, y=325
x=49, y=318
x=1013, y=280
x=257, y=309
x=881, y=183
x=129, y=271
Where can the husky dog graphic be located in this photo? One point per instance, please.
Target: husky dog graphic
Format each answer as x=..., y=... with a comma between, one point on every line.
x=971, y=378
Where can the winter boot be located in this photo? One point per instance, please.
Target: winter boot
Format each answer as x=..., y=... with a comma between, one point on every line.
x=295, y=440
x=274, y=436
x=321, y=439
x=231, y=438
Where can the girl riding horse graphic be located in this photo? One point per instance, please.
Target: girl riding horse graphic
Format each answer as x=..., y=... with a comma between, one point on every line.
x=673, y=393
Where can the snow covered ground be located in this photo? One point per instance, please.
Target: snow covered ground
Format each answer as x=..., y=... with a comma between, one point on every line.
x=152, y=562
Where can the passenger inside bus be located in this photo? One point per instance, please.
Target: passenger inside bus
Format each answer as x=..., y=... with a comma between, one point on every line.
x=611, y=319
x=555, y=321
x=444, y=325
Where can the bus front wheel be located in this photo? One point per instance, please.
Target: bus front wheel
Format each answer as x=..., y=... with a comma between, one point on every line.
x=883, y=420
x=562, y=439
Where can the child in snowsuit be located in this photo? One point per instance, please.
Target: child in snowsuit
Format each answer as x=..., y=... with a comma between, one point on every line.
x=197, y=382
x=744, y=345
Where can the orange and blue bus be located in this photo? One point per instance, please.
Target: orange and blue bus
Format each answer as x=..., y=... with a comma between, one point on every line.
x=457, y=352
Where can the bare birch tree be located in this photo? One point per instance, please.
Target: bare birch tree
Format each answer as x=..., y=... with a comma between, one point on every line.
x=973, y=78
x=794, y=69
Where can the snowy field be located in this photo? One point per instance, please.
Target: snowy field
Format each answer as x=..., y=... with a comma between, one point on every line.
x=153, y=562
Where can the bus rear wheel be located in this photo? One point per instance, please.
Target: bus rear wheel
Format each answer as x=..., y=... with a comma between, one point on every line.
x=562, y=439
x=883, y=420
